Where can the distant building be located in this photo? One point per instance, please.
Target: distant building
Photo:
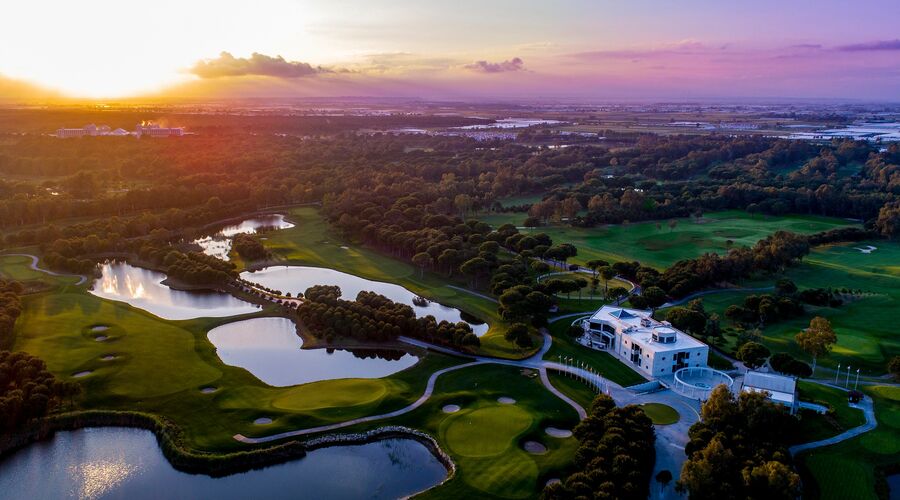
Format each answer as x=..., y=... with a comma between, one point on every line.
x=153, y=130
x=650, y=347
x=781, y=389
x=87, y=130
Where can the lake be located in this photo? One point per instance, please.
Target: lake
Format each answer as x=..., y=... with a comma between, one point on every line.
x=270, y=349
x=143, y=288
x=296, y=279
x=219, y=244
x=99, y=463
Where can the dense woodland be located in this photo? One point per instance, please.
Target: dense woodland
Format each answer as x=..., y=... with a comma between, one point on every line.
x=615, y=456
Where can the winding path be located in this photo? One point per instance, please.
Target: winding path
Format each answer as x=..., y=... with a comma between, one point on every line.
x=868, y=409
x=714, y=291
x=34, y=266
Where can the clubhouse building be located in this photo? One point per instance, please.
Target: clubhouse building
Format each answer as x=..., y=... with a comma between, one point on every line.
x=652, y=348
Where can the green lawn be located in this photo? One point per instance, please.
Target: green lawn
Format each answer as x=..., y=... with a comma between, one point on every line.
x=661, y=414
x=847, y=470
x=311, y=242
x=19, y=268
x=865, y=326
x=161, y=365
x=582, y=393
x=485, y=437
x=604, y=363
x=814, y=426
x=660, y=247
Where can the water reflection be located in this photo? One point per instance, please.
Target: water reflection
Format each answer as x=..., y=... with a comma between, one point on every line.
x=219, y=244
x=143, y=288
x=270, y=349
x=127, y=463
x=296, y=279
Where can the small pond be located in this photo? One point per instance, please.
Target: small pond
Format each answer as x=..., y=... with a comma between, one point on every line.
x=127, y=463
x=143, y=288
x=219, y=244
x=296, y=279
x=270, y=349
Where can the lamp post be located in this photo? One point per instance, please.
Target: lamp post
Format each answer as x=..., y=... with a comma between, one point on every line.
x=856, y=384
x=838, y=372
x=848, y=377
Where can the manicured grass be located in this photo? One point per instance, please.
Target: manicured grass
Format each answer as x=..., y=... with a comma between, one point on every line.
x=814, y=426
x=580, y=392
x=847, y=470
x=660, y=247
x=604, y=363
x=661, y=414
x=312, y=242
x=19, y=268
x=865, y=326
x=161, y=365
x=484, y=438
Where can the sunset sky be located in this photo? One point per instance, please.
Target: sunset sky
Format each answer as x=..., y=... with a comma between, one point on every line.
x=591, y=49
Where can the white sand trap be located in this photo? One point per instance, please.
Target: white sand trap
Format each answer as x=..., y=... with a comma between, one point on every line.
x=506, y=401
x=99, y=328
x=450, y=409
x=558, y=433
x=82, y=374
x=866, y=249
x=209, y=390
x=109, y=357
x=100, y=338
x=263, y=421
x=345, y=248
x=534, y=448
x=552, y=481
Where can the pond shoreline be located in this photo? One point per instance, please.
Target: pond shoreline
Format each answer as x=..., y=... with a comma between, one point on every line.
x=181, y=458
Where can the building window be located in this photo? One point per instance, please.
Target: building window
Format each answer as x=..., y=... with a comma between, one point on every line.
x=664, y=358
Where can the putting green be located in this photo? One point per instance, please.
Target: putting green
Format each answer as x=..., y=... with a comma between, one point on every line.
x=661, y=414
x=332, y=394
x=487, y=431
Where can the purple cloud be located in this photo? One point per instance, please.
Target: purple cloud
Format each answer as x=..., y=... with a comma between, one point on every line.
x=514, y=64
x=878, y=45
x=256, y=65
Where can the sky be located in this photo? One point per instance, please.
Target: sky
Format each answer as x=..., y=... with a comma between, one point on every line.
x=486, y=49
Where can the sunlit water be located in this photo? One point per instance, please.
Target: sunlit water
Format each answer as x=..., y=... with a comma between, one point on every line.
x=219, y=244
x=142, y=288
x=270, y=349
x=127, y=463
x=296, y=279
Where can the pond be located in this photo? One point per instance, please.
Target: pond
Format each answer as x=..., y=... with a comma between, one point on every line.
x=219, y=244
x=127, y=463
x=270, y=349
x=296, y=279
x=143, y=288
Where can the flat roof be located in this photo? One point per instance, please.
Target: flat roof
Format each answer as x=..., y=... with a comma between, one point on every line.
x=629, y=322
x=770, y=382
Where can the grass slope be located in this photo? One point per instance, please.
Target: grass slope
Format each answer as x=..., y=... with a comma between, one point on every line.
x=662, y=247
x=604, y=363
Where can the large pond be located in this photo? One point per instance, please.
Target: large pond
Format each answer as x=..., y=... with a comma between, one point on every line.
x=127, y=463
x=143, y=289
x=219, y=244
x=270, y=349
x=296, y=279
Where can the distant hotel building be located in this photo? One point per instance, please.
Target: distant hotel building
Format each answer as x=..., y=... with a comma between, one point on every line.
x=147, y=129
x=654, y=349
x=153, y=130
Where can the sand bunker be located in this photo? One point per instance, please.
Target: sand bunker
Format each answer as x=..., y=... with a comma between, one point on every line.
x=552, y=481
x=450, y=409
x=108, y=357
x=558, y=433
x=99, y=328
x=866, y=249
x=100, y=338
x=345, y=248
x=263, y=421
x=534, y=448
x=82, y=374
x=209, y=390
x=506, y=401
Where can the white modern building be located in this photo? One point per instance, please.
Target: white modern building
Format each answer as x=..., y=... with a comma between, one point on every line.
x=781, y=389
x=153, y=130
x=654, y=349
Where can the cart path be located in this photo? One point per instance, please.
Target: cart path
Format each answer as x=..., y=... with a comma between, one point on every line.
x=868, y=409
x=34, y=266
